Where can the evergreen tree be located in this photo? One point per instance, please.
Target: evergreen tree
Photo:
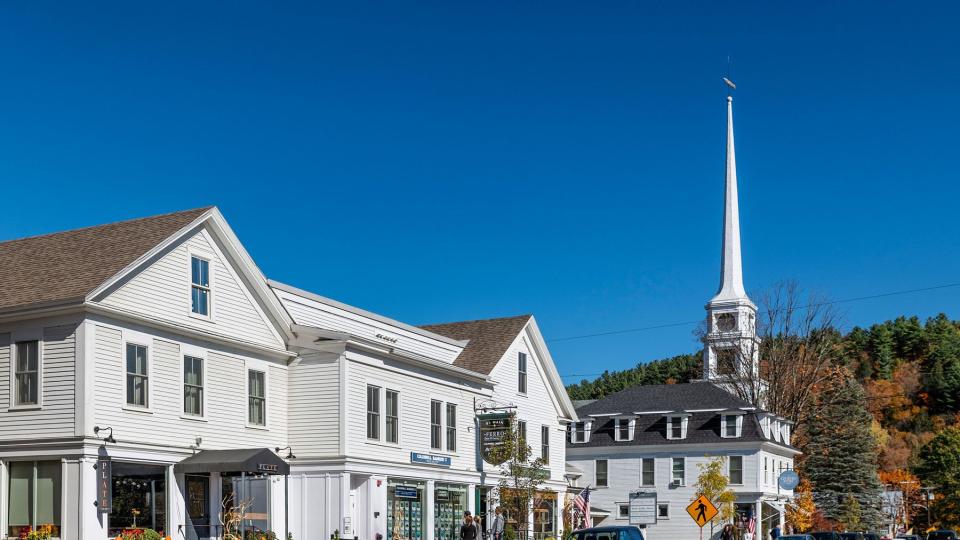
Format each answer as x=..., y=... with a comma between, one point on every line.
x=909, y=338
x=941, y=366
x=939, y=465
x=881, y=351
x=841, y=453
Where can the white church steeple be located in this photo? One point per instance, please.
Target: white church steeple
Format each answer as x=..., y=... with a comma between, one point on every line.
x=731, y=344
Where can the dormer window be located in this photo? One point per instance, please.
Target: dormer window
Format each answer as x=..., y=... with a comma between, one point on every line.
x=623, y=429
x=578, y=432
x=731, y=426
x=676, y=427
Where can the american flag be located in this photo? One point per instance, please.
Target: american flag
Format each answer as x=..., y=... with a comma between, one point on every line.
x=582, y=502
x=752, y=524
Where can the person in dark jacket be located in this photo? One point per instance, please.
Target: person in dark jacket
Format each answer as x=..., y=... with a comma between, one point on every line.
x=727, y=533
x=468, y=531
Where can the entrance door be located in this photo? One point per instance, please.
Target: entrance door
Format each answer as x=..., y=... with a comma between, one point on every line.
x=198, y=507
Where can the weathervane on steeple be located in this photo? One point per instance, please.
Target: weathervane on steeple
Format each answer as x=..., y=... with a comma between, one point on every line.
x=726, y=80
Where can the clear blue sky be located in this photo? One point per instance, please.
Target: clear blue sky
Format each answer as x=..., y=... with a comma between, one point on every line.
x=445, y=161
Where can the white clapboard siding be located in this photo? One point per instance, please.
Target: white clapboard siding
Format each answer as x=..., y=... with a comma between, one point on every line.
x=415, y=396
x=225, y=394
x=310, y=312
x=314, y=406
x=162, y=290
x=536, y=407
x=55, y=417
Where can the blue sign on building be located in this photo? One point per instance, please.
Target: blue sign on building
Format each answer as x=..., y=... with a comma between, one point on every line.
x=789, y=479
x=406, y=492
x=430, y=459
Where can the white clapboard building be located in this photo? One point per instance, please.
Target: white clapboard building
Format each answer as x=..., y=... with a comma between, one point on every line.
x=149, y=371
x=653, y=439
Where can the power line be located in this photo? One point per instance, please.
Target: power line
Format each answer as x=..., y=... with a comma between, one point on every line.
x=698, y=321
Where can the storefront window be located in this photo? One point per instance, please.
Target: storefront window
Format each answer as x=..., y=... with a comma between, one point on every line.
x=139, y=497
x=449, y=503
x=544, y=516
x=254, y=493
x=34, y=496
x=405, y=513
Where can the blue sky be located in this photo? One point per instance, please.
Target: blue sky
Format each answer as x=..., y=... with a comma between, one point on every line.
x=438, y=161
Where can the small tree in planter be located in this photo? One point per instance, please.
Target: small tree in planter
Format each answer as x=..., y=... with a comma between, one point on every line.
x=518, y=489
x=232, y=516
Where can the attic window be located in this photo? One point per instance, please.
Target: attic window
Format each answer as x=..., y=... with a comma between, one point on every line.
x=732, y=426
x=578, y=432
x=522, y=373
x=676, y=427
x=622, y=429
x=200, y=286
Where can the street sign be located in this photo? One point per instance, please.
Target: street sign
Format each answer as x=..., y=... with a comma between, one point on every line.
x=702, y=510
x=789, y=480
x=643, y=508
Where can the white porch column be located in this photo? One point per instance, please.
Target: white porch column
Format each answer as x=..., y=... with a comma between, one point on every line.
x=93, y=524
x=176, y=506
x=758, y=534
x=558, y=515
x=216, y=496
x=428, y=510
x=343, y=510
x=471, y=499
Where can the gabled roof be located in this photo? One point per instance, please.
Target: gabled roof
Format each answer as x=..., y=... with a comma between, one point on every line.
x=66, y=266
x=664, y=397
x=488, y=339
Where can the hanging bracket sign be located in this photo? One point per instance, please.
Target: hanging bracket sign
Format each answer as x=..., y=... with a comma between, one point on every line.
x=493, y=428
x=104, y=485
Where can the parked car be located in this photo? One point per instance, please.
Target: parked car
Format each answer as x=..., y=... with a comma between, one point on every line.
x=825, y=535
x=618, y=532
x=908, y=537
x=942, y=535
x=796, y=537
x=852, y=536
x=871, y=536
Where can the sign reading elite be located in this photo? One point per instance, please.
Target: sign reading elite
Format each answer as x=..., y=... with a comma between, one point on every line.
x=702, y=510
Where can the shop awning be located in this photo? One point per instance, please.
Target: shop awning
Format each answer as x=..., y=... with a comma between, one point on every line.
x=251, y=461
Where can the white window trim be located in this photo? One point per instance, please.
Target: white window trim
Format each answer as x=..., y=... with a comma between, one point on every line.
x=631, y=426
x=738, y=420
x=654, y=460
x=381, y=418
x=742, y=470
x=544, y=428
x=195, y=352
x=440, y=446
x=526, y=373
x=659, y=504
x=684, y=421
x=262, y=367
x=209, y=257
x=587, y=425
x=133, y=340
x=17, y=337
x=620, y=506
x=683, y=481
x=383, y=423
x=446, y=428
x=597, y=482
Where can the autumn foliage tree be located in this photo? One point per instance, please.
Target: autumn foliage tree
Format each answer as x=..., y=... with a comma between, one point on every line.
x=802, y=511
x=713, y=483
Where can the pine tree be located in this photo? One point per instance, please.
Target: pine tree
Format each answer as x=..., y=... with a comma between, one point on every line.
x=841, y=453
x=881, y=351
x=941, y=367
x=939, y=464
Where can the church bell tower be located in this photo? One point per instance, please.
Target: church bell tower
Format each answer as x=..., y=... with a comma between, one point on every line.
x=731, y=345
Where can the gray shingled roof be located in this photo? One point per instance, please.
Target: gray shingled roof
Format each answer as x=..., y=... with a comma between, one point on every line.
x=488, y=339
x=66, y=266
x=703, y=427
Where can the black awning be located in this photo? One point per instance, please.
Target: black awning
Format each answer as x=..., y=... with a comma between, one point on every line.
x=252, y=461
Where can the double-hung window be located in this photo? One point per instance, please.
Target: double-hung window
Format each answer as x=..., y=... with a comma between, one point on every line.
x=601, y=473
x=393, y=416
x=732, y=425
x=27, y=373
x=522, y=431
x=451, y=427
x=373, y=412
x=436, y=430
x=578, y=432
x=34, y=497
x=766, y=471
x=622, y=429
x=647, y=472
x=676, y=427
x=138, y=382
x=257, y=397
x=192, y=386
x=736, y=470
x=545, y=443
x=522, y=373
x=679, y=472
x=200, y=286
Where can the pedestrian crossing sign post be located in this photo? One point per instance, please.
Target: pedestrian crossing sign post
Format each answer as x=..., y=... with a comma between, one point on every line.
x=702, y=510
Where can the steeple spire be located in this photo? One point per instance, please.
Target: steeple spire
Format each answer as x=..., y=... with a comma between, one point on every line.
x=731, y=268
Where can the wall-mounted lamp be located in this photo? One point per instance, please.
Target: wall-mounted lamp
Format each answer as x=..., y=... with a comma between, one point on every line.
x=289, y=452
x=109, y=439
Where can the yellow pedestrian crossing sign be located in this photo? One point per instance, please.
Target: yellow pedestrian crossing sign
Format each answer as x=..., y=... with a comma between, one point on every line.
x=702, y=510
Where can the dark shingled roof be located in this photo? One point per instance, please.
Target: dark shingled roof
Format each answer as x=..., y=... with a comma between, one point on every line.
x=488, y=340
x=651, y=429
x=66, y=266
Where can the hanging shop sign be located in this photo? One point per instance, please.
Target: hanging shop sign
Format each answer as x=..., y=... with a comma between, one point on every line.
x=429, y=459
x=788, y=480
x=643, y=508
x=104, y=485
x=493, y=428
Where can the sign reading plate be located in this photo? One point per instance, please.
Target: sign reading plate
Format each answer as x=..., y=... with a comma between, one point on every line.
x=429, y=459
x=643, y=508
x=702, y=510
x=493, y=428
x=789, y=480
x=105, y=485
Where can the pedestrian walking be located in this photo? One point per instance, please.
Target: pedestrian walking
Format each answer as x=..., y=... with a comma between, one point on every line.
x=468, y=531
x=498, y=524
x=727, y=532
x=775, y=533
x=478, y=524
